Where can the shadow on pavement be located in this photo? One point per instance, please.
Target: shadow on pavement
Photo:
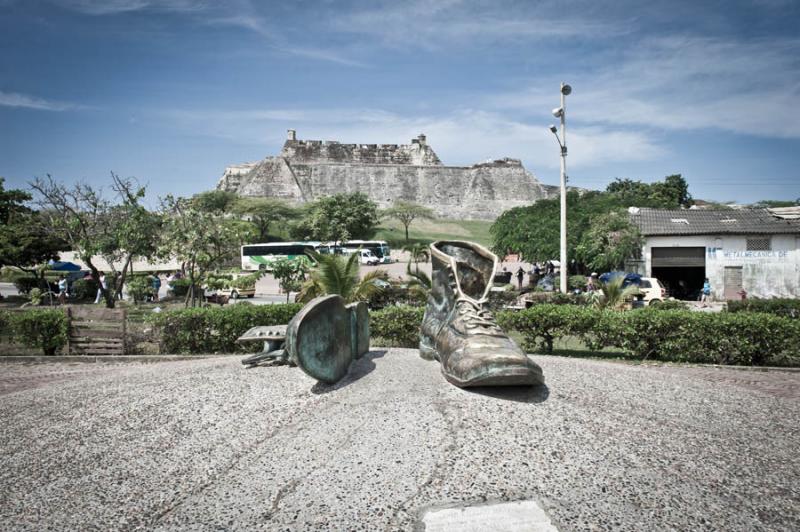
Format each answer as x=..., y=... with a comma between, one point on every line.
x=358, y=369
x=519, y=394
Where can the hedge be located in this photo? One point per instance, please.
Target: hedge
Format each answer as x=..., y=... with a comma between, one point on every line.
x=397, y=326
x=46, y=329
x=671, y=335
x=215, y=329
x=789, y=308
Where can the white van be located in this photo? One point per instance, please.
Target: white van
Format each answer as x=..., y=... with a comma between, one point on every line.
x=365, y=256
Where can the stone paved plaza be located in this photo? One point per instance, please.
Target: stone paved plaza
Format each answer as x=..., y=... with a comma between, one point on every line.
x=205, y=444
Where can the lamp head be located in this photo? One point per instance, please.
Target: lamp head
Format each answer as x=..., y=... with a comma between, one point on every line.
x=553, y=129
x=558, y=112
x=566, y=90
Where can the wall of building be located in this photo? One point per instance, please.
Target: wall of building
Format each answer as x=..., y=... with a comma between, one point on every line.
x=765, y=274
x=307, y=169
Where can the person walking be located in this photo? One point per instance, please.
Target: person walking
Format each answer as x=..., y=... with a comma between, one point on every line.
x=100, y=288
x=520, y=276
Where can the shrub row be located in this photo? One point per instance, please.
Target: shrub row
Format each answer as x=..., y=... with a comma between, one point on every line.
x=215, y=329
x=396, y=326
x=672, y=335
x=789, y=308
x=46, y=329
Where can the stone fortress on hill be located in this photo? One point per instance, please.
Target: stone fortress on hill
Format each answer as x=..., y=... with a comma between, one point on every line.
x=308, y=169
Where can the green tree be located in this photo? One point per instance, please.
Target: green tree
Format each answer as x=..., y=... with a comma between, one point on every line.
x=609, y=241
x=290, y=275
x=338, y=218
x=671, y=193
x=263, y=213
x=25, y=242
x=215, y=201
x=201, y=240
x=406, y=212
x=335, y=274
x=93, y=225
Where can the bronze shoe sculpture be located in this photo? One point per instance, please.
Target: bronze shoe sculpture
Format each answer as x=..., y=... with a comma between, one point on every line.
x=460, y=332
x=322, y=339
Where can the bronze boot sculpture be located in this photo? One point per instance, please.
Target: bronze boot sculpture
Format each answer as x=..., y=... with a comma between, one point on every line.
x=460, y=332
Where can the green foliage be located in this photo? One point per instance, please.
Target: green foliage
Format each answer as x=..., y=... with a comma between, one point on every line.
x=406, y=212
x=335, y=274
x=396, y=294
x=215, y=201
x=613, y=296
x=43, y=328
x=789, y=308
x=201, y=240
x=24, y=285
x=215, y=329
x=84, y=289
x=610, y=239
x=669, y=304
x=534, y=230
x=263, y=213
x=338, y=218
x=576, y=282
x=290, y=274
x=35, y=296
x=397, y=326
x=774, y=204
x=669, y=335
x=180, y=287
x=140, y=287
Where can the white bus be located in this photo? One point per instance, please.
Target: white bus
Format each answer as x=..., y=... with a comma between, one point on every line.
x=261, y=256
x=379, y=248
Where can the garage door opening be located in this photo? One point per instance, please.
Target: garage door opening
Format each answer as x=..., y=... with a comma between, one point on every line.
x=680, y=270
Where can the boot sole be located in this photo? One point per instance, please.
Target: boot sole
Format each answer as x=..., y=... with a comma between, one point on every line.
x=513, y=376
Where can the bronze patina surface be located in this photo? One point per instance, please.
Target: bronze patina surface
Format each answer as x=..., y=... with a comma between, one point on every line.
x=459, y=331
x=359, y=328
x=319, y=341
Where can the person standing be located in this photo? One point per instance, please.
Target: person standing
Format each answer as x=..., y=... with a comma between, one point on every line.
x=62, y=289
x=100, y=288
x=520, y=276
x=156, y=284
x=705, y=297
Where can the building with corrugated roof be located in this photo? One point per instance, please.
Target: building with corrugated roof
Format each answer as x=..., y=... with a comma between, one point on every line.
x=750, y=250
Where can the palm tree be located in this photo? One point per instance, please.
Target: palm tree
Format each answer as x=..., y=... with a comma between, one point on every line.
x=335, y=274
x=420, y=283
x=419, y=252
x=612, y=295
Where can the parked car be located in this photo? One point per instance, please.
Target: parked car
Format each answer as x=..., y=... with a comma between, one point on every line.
x=236, y=293
x=651, y=291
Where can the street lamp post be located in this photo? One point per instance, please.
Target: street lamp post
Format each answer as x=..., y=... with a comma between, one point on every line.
x=561, y=112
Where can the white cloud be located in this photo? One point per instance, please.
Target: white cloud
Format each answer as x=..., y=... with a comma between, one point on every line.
x=462, y=137
x=686, y=83
x=109, y=7
x=425, y=24
x=13, y=99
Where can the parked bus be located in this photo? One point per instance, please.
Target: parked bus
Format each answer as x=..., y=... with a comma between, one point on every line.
x=261, y=256
x=379, y=248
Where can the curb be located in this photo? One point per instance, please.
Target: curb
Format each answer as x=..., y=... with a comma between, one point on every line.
x=117, y=359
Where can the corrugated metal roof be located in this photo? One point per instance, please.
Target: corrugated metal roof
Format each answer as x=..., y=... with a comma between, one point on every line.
x=787, y=213
x=653, y=222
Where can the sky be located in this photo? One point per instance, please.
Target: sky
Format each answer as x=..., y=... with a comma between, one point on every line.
x=173, y=91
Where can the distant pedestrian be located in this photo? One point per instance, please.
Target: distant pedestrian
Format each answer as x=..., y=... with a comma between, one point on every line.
x=62, y=289
x=102, y=286
x=591, y=283
x=705, y=296
x=156, y=284
x=550, y=268
x=520, y=276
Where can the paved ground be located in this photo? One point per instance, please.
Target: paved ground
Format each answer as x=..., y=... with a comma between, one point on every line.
x=206, y=444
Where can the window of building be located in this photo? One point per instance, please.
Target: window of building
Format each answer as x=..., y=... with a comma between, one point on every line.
x=759, y=243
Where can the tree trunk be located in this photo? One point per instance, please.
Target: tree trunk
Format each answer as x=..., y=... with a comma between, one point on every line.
x=406, y=225
x=107, y=294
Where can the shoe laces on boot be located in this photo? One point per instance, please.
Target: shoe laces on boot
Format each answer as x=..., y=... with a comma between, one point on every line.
x=477, y=319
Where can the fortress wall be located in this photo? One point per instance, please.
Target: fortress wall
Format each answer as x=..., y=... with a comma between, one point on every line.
x=307, y=170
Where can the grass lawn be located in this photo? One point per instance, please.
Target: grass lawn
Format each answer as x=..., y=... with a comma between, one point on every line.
x=426, y=231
